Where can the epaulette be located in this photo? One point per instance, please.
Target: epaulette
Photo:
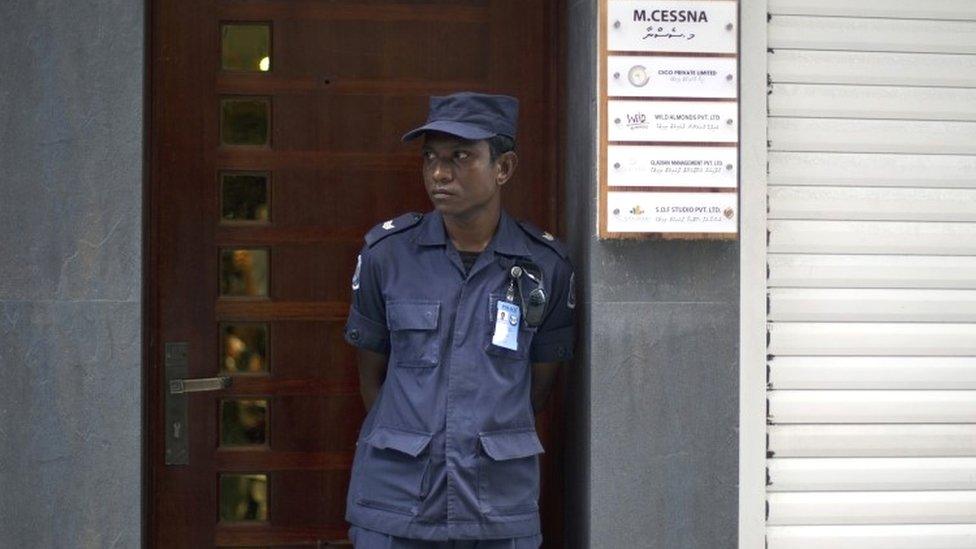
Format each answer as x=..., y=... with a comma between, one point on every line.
x=545, y=237
x=392, y=226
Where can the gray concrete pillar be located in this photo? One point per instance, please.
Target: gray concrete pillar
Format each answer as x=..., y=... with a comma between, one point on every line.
x=71, y=151
x=654, y=395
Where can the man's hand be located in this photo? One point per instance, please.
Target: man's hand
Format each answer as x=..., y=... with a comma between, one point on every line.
x=543, y=375
x=372, y=372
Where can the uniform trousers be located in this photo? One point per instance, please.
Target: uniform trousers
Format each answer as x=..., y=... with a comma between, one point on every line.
x=371, y=539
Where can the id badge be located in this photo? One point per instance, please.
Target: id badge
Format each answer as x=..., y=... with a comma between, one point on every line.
x=507, y=317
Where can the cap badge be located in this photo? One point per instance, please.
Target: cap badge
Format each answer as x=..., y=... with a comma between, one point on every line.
x=388, y=225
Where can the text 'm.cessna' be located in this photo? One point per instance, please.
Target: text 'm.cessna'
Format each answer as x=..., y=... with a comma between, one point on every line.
x=672, y=16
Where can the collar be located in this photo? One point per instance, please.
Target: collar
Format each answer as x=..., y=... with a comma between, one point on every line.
x=509, y=238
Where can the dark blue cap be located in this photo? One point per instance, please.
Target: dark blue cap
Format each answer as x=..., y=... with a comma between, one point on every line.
x=470, y=115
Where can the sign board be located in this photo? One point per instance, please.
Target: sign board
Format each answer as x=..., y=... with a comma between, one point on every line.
x=676, y=121
x=693, y=26
x=711, y=77
x=669, y=116
x=643, y=166
x=714, y=212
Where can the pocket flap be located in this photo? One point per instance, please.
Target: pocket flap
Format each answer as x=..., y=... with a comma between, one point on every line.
x=414, y=315
x=407, y=442
x=502, y=445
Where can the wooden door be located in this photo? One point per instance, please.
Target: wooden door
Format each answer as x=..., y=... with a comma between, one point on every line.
x=275, y=129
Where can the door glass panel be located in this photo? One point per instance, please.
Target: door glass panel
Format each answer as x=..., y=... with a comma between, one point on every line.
x=243, y=422
x=244, y=197
x=244, y=272
x=245, y=121
x=245, y=47
x=243, y=497
x=245, y=347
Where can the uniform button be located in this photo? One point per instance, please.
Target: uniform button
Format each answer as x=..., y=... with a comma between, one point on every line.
x=561, y=351
x=354, y=334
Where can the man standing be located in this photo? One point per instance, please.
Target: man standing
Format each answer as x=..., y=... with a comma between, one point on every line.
x=461, y=317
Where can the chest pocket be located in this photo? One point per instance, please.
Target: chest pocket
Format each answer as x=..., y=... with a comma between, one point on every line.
x=525, y=332
x=414, y=341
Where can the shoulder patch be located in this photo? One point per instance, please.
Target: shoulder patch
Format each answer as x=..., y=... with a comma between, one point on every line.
x=545, y=237
x=392, y=226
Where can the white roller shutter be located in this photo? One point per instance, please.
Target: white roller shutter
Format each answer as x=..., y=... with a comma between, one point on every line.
x=871, y=256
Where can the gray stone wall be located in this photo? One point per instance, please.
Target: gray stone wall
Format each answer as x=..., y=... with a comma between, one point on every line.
x=71, y=145
x=655, y=390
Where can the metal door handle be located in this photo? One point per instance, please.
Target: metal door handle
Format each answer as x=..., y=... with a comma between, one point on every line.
x=179, y=386
x=175, y=388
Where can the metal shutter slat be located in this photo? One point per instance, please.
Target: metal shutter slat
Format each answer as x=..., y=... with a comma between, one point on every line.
x=886, y=102
x=872, y=204
x=899, y=536
x=908, y=9
x=873, y=440
x=853, y=67
x=872, y=372
x=863, y=34
x=871, y=305
x=865, y=474
x=871, y=339
x=864, y=170
x=942, y=507
x=871, y=271
x=871, y=136
x=872, y=407
x=872, y=237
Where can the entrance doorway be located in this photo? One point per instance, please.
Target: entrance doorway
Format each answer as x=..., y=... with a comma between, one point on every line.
x=274, y=144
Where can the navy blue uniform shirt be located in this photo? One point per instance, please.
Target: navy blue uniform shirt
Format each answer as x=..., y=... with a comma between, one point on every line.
x=449, y=448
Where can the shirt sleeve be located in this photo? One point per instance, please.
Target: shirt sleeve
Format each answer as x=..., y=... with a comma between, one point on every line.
x=554, y=340
x=366, y=327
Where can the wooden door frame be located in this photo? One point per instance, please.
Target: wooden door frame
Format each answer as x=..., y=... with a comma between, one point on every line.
x=151, y=348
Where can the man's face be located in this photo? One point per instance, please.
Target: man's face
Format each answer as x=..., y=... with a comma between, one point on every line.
x=460, y=177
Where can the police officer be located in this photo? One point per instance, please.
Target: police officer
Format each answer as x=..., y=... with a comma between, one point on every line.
x=461, y=317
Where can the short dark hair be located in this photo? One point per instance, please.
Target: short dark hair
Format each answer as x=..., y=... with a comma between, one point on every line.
x=499, y=145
